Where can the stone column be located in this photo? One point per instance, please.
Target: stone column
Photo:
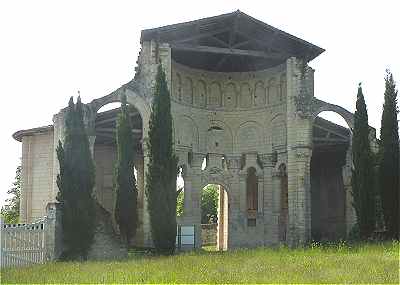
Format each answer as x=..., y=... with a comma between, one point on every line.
x=237, y=210
x=299, y=148
x=221, y=218
x=188, y=189
x=300, y=220
x=147, y=239
x=139, y=239
x=350, y=214
x=271, y=229
x=195, y=202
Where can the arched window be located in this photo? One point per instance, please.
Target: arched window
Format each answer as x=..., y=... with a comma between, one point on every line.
x=252, y=191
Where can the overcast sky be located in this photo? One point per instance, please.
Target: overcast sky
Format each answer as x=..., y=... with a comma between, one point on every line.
x=51, y=49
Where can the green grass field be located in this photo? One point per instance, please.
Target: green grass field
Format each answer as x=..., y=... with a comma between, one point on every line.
x=366, y=263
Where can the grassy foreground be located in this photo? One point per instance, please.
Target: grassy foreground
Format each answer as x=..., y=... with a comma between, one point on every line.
x=366, y=263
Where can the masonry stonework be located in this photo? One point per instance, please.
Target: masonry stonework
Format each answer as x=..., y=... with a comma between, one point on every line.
x=236, y=109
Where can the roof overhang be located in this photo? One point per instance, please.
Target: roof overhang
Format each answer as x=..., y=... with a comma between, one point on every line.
x=230, y=42
x=31, y=132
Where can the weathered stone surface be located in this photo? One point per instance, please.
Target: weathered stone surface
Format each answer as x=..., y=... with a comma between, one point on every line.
x=261, y=119
x=106, y=244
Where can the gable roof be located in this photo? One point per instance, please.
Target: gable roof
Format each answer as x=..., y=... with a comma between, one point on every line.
x=230, y=42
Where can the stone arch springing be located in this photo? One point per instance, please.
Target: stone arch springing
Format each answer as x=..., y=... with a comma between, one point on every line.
x=321, y=106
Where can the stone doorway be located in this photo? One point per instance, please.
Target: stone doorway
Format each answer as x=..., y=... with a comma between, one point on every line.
x=214, y=213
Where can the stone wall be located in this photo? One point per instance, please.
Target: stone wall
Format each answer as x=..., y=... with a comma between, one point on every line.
x=240, y=117
x=37, y=176
x=105, y=159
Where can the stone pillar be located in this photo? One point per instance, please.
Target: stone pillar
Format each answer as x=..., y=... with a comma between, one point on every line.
x=221, y=218
x=350, y=214
x=236, y=212
x=139, y=239
x=147, y=239
x=302, y=198
x=195, y=203
x=299, y=148
x=271, y=229
x=53, y=232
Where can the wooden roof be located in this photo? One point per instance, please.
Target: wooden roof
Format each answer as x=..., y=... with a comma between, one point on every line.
x=230, y=42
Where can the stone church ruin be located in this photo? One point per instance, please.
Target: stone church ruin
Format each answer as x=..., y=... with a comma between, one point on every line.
x=245, y=118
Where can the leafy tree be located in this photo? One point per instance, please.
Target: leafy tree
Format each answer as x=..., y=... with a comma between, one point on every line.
x=389, y=159
x=10, y=211
x=209, y=204
x=125, y=182
x=75, y=183
x=362, y=174
x=180, y=202
x=162, y=170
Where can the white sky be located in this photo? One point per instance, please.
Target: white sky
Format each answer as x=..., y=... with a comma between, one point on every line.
x=51, y=49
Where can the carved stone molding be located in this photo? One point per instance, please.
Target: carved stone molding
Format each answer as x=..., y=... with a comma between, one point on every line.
x=233, y=162
x=303, y=151
x=269, y=159
x=215, y=175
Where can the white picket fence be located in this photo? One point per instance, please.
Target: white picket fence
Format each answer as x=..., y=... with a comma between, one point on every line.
x=22, y=244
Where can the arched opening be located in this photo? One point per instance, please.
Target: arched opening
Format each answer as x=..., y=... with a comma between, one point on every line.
x=252, y=196
x=180, y=197
x=331, y=141
x=284, y=205
x=105, y=155
x=214, y=217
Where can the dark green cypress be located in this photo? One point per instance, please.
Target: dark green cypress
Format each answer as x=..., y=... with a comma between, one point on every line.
x=362, y=174
x=75, y=183
x=125, y=182
x=389, y=159
x=162, y=170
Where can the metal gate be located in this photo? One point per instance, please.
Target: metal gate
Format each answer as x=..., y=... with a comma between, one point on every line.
x=22, y=244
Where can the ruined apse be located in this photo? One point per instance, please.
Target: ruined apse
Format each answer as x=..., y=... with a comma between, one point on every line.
x=245, y=117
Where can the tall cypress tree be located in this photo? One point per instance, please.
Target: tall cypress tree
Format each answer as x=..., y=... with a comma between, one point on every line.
x=75, y=183
x=362, y=174
x=125, y=182
x=162, y=170
x=389, y=159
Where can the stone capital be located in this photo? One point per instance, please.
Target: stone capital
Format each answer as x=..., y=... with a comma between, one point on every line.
x=269, y=159
x=233, y=162
x=303, y=151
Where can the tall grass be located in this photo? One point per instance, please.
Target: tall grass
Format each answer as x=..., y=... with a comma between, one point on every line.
x=340, y=263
